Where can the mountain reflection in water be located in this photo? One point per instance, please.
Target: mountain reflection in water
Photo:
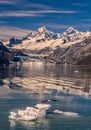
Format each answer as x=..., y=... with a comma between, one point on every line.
x=67, y=88
x=47, y=78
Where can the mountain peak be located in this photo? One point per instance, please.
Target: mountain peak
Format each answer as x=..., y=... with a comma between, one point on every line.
x=42, y=29
x=71, y=30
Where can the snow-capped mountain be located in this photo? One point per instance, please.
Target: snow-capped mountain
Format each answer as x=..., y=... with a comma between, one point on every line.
x=69, y=47
x=73, y=35
x=42, y=34
x=43, y=38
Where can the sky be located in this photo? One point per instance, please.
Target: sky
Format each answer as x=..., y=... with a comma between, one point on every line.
x=19, y=17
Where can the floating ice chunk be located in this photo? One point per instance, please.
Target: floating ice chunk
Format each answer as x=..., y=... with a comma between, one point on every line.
x=65, y=113
x=70, y=114
x=58, y=112
x=24, y=115
x=28, y=117
x=43, y=106
x=76, y=71
x=20, y=112
x=13, y=115
x=30, y=113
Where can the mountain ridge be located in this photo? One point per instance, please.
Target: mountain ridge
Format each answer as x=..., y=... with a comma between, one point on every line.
x=69, y=47
x=71, y=35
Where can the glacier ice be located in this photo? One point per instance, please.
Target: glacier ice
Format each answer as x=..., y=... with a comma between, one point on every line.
x=30, y=113
x=36, y=112
x=65, y=113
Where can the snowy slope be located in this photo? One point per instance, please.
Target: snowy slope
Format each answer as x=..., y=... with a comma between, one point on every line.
x=73, y=35
x=43, y=38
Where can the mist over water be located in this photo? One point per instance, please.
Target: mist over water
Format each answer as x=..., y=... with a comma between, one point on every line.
x=66, y=88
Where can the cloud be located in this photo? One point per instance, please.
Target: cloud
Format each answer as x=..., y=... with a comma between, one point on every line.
x=7, y=2
x=7, y=31
x=16, y=14
x=58, y=11
x=35, y=13
x=24, y=3
x=38, y=6
x=10, y=2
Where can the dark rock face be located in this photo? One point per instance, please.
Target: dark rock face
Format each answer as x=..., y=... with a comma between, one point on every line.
x=17, y=59
x=1, y=43
x=4, y=52
x=14, y=41
x=20, y=53
x=79, y=53
x=4, y=49
x=85, y=60
x=4, y=61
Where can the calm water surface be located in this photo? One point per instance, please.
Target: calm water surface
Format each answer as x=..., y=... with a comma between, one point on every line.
x=32, y=83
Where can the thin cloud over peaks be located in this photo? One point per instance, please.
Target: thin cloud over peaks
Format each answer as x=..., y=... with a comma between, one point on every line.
x=34, y=13
x=16, y=14
x=38, y=6
x=29, y=13
x=7, y=2
x=6, y=32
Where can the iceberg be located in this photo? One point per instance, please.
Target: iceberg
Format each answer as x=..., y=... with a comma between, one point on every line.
x=65, y=113
x=30, y=113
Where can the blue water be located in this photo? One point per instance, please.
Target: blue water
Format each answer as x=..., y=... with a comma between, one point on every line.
x=32, y=83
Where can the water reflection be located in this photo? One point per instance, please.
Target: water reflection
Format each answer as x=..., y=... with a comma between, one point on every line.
x=29, y=124
x=31, y=84
x=45, y=78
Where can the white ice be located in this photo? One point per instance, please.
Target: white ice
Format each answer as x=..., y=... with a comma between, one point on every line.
x=65, y=113
x=43, y=106
x=30, y=113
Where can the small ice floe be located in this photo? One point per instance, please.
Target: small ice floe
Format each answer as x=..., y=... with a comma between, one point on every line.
x=70, y=114
x=43, y=106
x=58, y=112
x=76, y=71
x=30, y=113
x=65, y=113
